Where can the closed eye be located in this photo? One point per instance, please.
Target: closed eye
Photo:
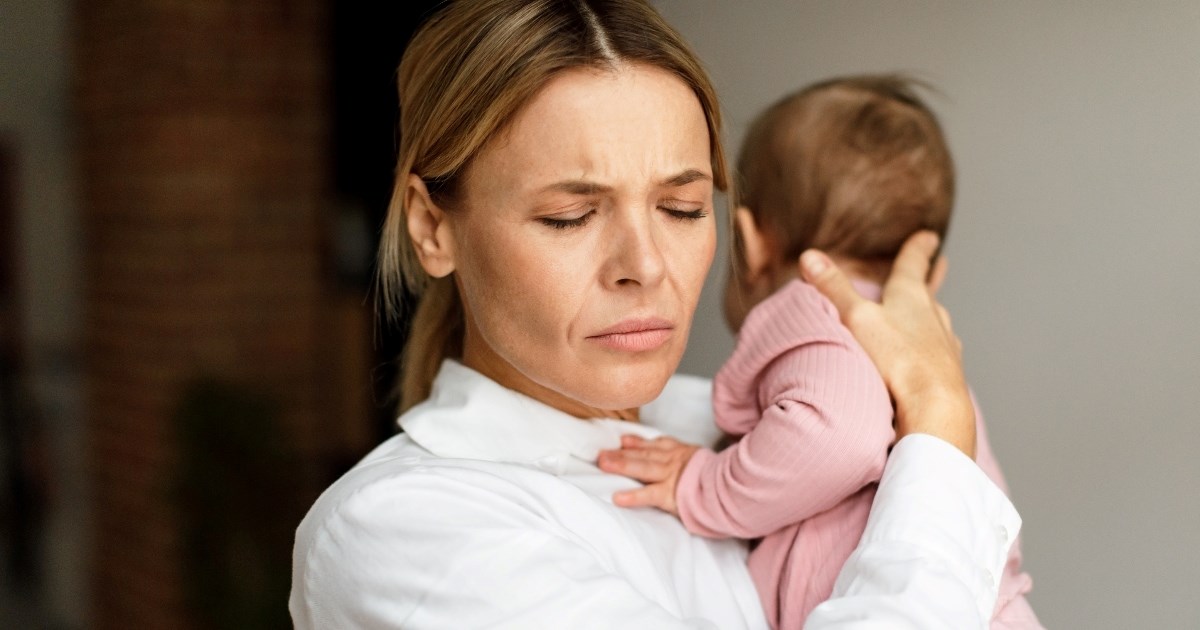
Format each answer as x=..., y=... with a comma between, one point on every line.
x=566, y=224
x=685, y=215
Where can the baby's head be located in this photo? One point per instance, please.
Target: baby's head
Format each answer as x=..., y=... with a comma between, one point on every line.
x=852, y=166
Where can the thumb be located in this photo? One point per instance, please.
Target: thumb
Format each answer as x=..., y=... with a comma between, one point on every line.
x=819, y=271
x=937, y=275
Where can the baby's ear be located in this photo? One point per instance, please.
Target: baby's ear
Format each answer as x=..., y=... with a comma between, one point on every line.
x=756, y=249
x=429, y=228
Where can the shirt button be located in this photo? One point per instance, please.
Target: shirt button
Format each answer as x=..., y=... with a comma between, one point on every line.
x=553, y=464
x=1002, y=533
x=991, y=579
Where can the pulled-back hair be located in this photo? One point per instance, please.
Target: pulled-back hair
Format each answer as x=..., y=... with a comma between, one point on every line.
x=851, y=165
x=465, y=75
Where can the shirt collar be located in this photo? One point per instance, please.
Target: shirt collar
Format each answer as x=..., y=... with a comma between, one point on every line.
x=470, y=416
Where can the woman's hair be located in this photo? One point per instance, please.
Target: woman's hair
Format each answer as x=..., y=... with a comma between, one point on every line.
x=464, y=76
x=851, y=165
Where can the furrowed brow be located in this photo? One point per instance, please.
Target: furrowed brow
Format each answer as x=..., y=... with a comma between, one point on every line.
x=685, y=178
x=576, y=187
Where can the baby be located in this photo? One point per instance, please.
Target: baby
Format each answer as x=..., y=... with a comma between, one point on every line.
x=852, y=166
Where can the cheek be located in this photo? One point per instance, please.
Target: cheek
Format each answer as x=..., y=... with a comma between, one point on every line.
x=694, y=260
x=521, y=292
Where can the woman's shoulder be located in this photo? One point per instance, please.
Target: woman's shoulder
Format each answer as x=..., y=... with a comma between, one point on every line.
x=403, y=521
x=401, y=481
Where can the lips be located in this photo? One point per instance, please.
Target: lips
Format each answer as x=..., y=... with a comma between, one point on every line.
x=635, y=335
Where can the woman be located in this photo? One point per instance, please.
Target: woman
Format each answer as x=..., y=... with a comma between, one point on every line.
x=554, y=205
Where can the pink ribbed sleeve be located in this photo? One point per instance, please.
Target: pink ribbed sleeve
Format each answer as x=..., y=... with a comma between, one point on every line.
x=815, y=420
x=821, y=420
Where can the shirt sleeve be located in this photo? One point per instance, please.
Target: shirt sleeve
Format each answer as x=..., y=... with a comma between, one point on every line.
x=1013, y=611
x=424, y=550
x=935, y=545
x=823, y=435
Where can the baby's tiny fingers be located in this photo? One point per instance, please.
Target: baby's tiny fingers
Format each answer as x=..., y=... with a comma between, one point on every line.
x=607, y=459
x=644, y=470
x=663, y=443
x=648, y=496
x=636, y=467
x=659, y=455
x=630, y=440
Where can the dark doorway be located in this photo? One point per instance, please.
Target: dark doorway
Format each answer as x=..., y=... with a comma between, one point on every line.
x=368, y=41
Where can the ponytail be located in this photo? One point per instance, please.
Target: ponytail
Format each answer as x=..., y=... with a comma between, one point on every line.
x=436, y=334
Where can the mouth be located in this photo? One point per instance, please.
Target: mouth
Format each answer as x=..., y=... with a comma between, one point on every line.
x=635, y=335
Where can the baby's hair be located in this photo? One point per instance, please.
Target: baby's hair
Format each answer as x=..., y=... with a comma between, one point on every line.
x=851, y=165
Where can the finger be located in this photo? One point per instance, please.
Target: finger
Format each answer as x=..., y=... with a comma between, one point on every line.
x=944, y=315
x=912, y=263
x=630, y=440
x=937, y=275
x=819, y=271
x=640, y=469
x=644, y=454
x=653, y=495
x=663, y=443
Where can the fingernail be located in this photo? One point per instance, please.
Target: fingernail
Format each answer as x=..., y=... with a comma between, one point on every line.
x=813, y=262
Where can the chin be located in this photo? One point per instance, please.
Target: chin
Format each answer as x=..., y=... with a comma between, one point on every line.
x=627, y=385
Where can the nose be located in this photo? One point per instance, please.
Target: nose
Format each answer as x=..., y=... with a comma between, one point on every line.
x=635, y=253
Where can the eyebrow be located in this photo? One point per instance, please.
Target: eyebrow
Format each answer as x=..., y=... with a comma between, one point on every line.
x=584, y=187
x=685, y=178
x=576, y=187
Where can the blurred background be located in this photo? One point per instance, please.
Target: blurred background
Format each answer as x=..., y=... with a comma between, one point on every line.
x=189, y=199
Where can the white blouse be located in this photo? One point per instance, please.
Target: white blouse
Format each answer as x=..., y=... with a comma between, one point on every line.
x=489, y=512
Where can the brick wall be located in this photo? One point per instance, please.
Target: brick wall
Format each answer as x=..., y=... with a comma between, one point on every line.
x=204, y=165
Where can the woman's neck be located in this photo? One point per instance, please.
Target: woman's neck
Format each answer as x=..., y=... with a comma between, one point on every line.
x=481, y=358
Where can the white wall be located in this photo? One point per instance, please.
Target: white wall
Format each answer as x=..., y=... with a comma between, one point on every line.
x=1074, y=258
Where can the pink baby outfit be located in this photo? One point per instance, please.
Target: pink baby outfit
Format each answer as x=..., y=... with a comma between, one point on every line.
x=815, y=421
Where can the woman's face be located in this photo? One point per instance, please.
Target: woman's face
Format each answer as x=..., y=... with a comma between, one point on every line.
x=583, y=237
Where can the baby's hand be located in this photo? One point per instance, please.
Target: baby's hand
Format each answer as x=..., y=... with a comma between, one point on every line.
x=656, y=463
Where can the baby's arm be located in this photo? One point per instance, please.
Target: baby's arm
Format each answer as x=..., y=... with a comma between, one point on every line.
x=823, y=435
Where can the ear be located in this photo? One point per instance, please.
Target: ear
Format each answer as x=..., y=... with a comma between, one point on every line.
x=429, y=228
x=755, y=246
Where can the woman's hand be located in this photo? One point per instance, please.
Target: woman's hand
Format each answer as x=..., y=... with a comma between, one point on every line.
x=658, y=463
x=909, y=338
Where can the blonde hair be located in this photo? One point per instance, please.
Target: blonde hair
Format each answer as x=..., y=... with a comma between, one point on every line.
x=851, y=165
x=465, y=74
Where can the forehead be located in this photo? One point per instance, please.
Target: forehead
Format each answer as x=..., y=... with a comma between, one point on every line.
x=615, y=126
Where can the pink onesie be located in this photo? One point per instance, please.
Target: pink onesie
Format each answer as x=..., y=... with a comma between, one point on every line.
x=815, y=421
